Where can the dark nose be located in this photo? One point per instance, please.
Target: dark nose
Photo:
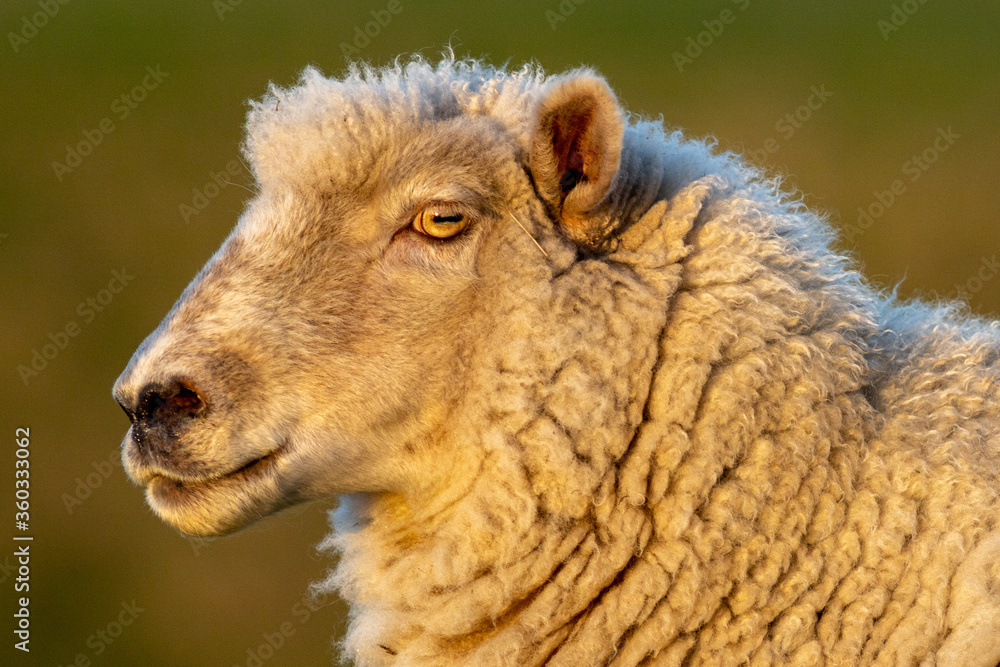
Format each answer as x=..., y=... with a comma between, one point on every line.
x=164, y=410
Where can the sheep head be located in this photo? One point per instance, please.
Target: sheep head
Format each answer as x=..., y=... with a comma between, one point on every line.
x=406, y=234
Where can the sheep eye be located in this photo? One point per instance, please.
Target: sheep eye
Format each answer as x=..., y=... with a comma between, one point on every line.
x=440, y=222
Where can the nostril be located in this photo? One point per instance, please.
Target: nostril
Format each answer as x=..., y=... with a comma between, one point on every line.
x=185, y=400
x=168, y=403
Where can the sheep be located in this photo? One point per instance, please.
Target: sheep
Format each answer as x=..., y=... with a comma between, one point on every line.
x=588, y=391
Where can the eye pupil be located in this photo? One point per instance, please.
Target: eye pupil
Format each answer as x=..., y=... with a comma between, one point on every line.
x=447, y=219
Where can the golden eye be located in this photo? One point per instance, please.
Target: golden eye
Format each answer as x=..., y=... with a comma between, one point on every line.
x=440, y=222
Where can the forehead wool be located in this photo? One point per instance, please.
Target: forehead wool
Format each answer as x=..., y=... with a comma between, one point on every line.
x=324, y=127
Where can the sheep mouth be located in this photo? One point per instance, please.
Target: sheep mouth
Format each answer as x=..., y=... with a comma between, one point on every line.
x=183, y=489
x=164, y=484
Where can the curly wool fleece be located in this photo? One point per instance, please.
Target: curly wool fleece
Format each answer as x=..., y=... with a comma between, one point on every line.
x=679, y=430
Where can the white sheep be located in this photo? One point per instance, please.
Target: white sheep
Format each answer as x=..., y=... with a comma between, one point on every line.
x=588, y=393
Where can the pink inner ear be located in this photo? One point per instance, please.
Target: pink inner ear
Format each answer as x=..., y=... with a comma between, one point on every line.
x=570, y=131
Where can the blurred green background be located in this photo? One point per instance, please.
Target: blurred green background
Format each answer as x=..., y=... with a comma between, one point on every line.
x=744, y=72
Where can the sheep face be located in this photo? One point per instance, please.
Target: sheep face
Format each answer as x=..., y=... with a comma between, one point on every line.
x=324, y=348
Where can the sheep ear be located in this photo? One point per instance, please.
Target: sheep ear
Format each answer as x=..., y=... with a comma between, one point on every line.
x=575, y=151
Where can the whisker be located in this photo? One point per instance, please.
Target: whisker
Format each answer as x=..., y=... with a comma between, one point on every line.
x=239, y=185
x=529, y=235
